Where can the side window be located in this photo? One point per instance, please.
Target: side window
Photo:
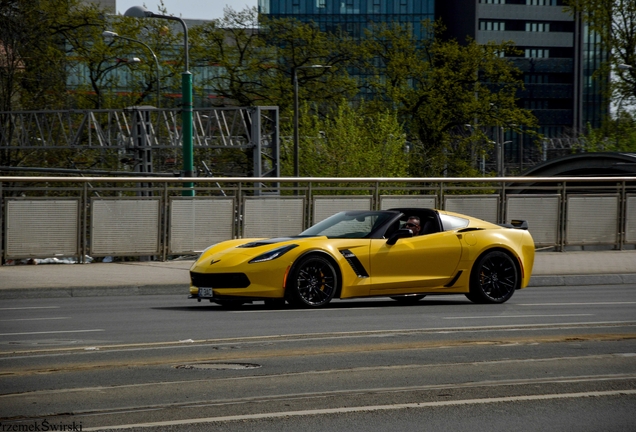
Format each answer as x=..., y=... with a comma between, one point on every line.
x=450, y=223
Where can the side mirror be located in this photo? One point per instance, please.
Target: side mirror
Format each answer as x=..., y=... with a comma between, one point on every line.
x=401, y=233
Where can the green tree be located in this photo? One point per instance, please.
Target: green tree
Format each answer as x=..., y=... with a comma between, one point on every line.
x=614, y=21
x=255, y=67
x=348, y=142
x=33, y=59
x=439, y=88
x=107, y=68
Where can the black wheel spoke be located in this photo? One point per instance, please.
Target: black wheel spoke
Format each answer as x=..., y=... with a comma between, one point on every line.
x=315, y=282
x=496, y=278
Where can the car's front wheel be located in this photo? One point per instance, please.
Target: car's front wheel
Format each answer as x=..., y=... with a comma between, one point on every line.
x=494, y=278
x=313, y=282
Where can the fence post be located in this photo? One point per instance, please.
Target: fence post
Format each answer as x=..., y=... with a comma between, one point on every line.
x=83, y=225
x=309, y=218
x=166, y=221
x=2, y=233
x=239, y=211
x=563, y=219
x=622, y=216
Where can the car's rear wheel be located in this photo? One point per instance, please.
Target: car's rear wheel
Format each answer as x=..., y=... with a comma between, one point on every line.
x=408, y=299
x=313, y=282
x=494, y=278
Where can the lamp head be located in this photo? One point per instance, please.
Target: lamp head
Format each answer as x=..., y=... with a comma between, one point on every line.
x=138, y=12
x=109, y=34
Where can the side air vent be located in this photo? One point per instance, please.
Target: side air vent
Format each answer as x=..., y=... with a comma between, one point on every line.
x=355, y=263
x=452, y=282
x=463, y=230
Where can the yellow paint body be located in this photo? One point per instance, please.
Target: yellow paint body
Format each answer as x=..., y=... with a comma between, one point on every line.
x=426, y=264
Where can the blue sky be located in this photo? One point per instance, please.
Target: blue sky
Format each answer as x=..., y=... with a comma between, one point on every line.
x=199, y=9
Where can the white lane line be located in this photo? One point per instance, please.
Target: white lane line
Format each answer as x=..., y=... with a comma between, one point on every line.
x=33, y=307
x=302, y=310
x=35, y=319
x=371, y=408
x=517, y=316
x=576, y=304
x=51, y=332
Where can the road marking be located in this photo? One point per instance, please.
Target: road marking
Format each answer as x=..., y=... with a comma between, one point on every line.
x=51, y=332
x=35, y=319
x=34, y=307
x=576, y=304
x=411, y=367
x=517, y=316
x=369, y=408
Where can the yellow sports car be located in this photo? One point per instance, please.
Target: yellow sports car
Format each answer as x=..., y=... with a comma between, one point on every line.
x=403, y=253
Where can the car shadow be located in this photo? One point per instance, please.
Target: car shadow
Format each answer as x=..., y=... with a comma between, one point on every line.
x=336, y=304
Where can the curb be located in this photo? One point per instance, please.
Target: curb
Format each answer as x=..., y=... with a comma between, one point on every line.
x=104, y=291
x=182, y=289
x=573, y=280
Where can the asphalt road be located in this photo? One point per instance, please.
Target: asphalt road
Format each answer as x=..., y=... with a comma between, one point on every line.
x=550, y=359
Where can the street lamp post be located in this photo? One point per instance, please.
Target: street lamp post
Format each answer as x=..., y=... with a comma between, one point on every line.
x=623, y=67
x=186, y=90
x=296, y=132
x=110, y=34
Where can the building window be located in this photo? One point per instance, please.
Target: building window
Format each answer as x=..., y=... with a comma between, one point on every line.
x=321, y=4
x=537, y=27
x=536, y=104
x=536, y=79
x=541, y=2
x=537, y=53
x=492, y=1
x=376, y=6
x=492, y=25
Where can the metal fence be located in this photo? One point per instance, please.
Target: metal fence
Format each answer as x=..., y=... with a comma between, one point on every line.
x=44, y=217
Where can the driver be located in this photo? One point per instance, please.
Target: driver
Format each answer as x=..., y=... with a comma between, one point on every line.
x=413, y=223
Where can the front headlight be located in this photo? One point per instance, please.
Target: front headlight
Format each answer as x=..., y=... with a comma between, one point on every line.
x=273, y=254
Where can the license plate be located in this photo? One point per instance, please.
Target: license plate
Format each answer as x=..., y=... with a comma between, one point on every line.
x=206, y=292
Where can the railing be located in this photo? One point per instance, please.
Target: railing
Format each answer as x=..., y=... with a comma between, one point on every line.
x=45, y=217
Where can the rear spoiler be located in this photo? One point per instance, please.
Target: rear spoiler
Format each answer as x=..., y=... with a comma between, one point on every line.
x=517, y=224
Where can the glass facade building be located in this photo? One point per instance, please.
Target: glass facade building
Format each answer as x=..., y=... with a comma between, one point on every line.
x=559, y=56
x=352, y=16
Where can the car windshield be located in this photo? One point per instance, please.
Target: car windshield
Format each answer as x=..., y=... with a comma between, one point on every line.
x=350, y=224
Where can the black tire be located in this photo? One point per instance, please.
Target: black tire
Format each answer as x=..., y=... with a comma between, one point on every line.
x=408, y=299
x=313, y=282
x=494, y=278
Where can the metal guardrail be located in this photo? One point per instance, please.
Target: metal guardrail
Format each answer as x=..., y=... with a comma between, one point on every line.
x=44, y=217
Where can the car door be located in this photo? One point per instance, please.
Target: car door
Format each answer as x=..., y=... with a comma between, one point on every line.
x=426, y=261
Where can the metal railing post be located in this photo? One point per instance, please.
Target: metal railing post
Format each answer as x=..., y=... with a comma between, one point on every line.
x=563, y=219
x=83, y=237
x=166, y=220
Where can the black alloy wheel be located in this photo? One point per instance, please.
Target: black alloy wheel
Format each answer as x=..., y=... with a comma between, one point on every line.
x=313, y=282
x=494, y=278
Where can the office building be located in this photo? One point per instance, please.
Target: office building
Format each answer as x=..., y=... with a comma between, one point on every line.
x=558, y=55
